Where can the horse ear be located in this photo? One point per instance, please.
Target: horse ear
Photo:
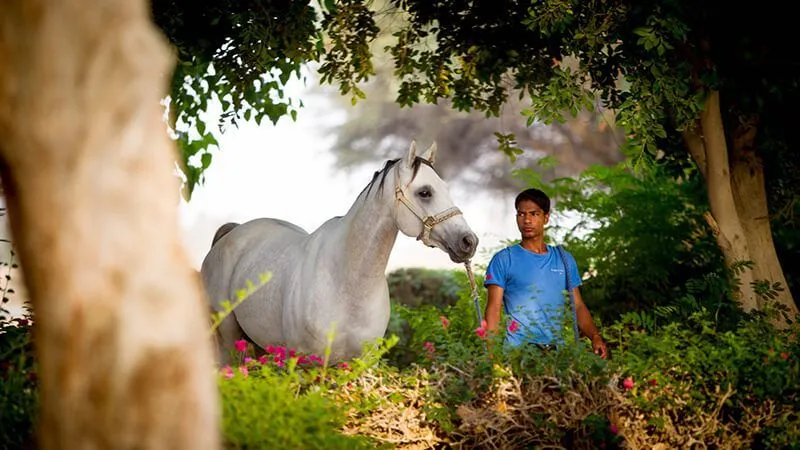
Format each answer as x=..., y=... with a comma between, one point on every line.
x=412, y=153
x=430, y=153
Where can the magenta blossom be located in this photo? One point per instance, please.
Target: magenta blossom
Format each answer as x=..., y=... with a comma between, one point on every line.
x=243, y=370
x=627, y=383
x=481, y=332
x=445, y=322
x=513, y=326
x=614, y=429
x=240, y=345
x=227, y=372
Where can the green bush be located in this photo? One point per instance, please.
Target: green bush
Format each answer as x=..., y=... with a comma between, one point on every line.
x=19, y=395
x=287, y=400
x=264, y=411
x=417, y=286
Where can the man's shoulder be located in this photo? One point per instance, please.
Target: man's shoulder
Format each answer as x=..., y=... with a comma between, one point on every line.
x=505, y=250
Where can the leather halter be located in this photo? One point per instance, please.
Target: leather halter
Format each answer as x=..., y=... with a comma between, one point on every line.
x=428, y=222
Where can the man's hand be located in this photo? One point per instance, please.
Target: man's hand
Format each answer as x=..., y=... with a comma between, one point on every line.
x=599, y=346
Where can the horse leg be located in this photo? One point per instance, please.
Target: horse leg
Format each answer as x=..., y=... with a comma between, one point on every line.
x=226, y=335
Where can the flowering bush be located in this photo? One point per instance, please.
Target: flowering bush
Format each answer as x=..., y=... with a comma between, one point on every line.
x=286, y=399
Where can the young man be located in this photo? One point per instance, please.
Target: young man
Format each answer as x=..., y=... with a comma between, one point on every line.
x=528, y=280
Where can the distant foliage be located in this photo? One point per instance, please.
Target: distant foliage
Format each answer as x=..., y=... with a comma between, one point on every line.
x=417, y=286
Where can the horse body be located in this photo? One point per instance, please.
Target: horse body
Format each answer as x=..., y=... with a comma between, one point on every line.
x=331, y=280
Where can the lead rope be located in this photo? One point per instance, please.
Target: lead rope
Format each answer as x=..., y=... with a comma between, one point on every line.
x=475, y=298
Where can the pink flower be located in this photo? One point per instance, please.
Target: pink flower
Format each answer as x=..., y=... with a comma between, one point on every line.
x=445, y=322
x=270, y=349
x=227, y=372
x=303, y=359
x=240, y=345
x=481, y=332
x=513, y=326
x=263, y=359
x=429, y=346
x=627, y=383
x=316, y=359
x=614, y=429
x=243, y=370
x=343, y=365
x=248, y=359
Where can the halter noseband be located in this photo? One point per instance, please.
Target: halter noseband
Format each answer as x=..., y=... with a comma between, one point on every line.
x=428, y=222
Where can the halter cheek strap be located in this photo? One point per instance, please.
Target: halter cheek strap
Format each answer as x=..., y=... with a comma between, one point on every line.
x=428, y=222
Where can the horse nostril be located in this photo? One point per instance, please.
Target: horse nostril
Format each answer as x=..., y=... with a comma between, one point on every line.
x=469, y=242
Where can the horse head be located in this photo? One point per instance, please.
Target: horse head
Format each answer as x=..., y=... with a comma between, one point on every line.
x=425, y=210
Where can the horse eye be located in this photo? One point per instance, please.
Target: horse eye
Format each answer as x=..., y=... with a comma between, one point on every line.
x=424, y=193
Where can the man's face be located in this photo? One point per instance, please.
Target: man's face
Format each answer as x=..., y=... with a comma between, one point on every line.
x=531, y=219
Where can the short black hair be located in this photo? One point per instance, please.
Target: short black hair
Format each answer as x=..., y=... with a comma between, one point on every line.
x=536, y=196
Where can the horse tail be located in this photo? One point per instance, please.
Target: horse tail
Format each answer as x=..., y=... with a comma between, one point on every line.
x=222, y=231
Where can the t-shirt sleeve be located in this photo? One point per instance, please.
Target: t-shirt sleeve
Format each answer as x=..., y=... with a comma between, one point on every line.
x=497, y=269
x=574, y=273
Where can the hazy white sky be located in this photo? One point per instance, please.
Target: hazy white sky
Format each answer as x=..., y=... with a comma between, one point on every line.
x=286, y=171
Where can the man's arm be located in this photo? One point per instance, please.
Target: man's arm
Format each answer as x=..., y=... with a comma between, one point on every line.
x=494, y=303
x=586, y=325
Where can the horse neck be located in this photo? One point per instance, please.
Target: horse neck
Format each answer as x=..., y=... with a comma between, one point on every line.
x=370, y=232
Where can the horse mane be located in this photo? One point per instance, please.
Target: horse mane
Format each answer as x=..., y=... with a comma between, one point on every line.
x=418, y=161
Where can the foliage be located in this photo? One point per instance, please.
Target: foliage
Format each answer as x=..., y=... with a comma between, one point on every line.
x=19, y=395
x=685, y=381
x=284, y=401
x=415, y=286
x=694, y=381
x=242, y=54
x=239, y=54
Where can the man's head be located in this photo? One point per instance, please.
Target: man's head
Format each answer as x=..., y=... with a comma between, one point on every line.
x=533, y=213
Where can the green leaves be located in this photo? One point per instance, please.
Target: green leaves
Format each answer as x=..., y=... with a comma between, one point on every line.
x=350, y=28
x=238, y=54
x=507, y=143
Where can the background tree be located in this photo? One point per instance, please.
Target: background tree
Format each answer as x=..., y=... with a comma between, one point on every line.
x=378, y=126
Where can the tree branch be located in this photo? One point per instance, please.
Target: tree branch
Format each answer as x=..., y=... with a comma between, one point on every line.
x=694, y=142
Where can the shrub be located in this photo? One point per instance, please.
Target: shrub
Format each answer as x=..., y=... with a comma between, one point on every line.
x=288, y=400
x=19, y=399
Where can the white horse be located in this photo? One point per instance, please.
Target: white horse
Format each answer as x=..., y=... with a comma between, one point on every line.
x=334, y=276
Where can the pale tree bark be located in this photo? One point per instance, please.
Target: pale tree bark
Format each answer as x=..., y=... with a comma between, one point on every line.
x=750, y=195
x=725, y=220
x=738, y=201
x=121, y=332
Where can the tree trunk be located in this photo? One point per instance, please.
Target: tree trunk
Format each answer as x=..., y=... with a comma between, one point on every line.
x=750, y=194
x=712, y=157
x=120, y=327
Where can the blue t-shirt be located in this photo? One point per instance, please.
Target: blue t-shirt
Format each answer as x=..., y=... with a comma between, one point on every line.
x=533, y=292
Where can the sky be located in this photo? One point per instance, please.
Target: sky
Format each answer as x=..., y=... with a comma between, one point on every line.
x=286, y=171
